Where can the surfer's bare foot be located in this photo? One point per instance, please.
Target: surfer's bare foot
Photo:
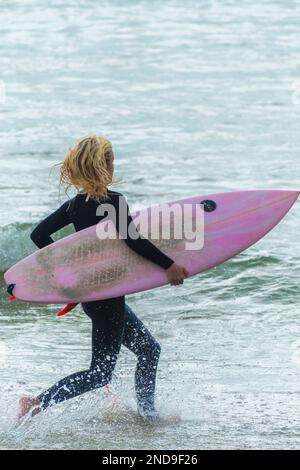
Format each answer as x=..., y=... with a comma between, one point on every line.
x=28, y=405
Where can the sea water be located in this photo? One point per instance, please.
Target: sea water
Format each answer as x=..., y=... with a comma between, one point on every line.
x=197, y=97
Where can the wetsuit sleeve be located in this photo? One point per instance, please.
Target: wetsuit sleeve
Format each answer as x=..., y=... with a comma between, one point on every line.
x=134, y=239
x=55, y=221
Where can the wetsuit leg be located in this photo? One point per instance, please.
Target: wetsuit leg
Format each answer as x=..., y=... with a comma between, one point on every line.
x=108, y=318
x=139, y=340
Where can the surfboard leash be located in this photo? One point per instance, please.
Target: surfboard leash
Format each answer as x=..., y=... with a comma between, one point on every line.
x=9, y=290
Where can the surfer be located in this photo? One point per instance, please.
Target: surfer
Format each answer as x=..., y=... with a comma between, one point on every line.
x=89, y=166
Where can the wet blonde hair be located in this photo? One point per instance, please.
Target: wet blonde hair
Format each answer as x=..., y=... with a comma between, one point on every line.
x=85, y=167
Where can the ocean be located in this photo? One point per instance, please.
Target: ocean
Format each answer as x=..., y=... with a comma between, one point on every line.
x=197, y=97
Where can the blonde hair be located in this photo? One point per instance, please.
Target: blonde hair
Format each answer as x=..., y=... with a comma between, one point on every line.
x=85, y=167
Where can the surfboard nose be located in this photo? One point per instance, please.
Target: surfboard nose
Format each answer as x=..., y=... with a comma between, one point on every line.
x=276, y=202
x=279, y=193
x=287, y=195
x=268, y=207
x=292, y=193
x=295, y=193
x=233, y=204
x=246, y=216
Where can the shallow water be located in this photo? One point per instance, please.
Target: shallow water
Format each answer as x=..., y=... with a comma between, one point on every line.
x=197, y=97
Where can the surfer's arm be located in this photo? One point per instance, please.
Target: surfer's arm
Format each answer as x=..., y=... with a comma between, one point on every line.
x=41, y=235
x=134, y=239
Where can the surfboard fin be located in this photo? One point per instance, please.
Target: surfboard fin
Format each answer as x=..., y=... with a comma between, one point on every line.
x=66, y=309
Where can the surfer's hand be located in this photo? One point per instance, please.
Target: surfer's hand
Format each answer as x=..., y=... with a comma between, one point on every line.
x=176, y=274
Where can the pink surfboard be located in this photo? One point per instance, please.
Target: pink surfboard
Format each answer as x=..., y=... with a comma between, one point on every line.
x=81, y=267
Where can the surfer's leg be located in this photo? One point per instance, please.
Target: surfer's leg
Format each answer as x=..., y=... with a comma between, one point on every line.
x=107, y=333
x=108, y=320
x=139, y=340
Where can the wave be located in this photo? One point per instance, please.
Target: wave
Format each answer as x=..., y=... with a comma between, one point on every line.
x=15, y=243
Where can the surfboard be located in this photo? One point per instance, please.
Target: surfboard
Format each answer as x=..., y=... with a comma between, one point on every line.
x=81, y=267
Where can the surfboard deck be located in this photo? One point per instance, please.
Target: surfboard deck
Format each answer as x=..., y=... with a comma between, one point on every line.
x=82, y=268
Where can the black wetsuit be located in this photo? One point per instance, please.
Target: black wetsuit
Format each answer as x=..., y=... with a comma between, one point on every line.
x=113, y=322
